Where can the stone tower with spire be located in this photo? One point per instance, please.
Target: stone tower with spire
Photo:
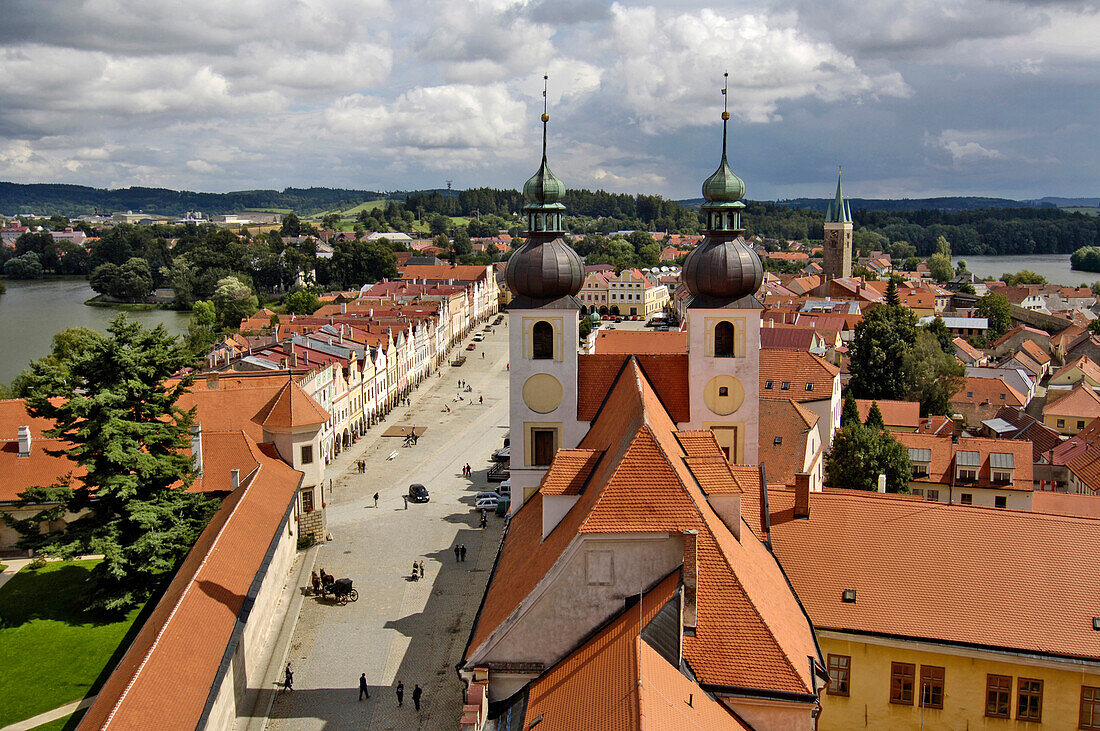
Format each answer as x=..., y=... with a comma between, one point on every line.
x=544, y=274
x=723, y=319
x=838, y=236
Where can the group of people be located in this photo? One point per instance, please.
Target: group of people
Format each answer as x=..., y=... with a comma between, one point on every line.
x=460, y=552
x=418, y=571
x=417, y=693
x=467, y=470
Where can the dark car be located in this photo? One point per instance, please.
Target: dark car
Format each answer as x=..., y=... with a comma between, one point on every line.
x=418, y=493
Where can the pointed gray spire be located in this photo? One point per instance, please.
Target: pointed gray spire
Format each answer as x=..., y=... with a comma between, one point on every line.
x=838, y=211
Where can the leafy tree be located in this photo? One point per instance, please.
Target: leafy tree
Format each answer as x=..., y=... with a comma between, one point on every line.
x=882, y=338
x=960, y=267
x=355, y=263
x=233, y=301
x=462, y=245
x=874, y=418
x=943, y=336
x=301, y=302
x=850, y=411
x=202, y=329
x=939, y=266
x=860, y=454
x=911, y=263
x=996, y=309
x=892, y=293
x=943, y=246
x=1094, y=326
x=26, y=266
x=1024, y=276
x=585, y=328
x=105, y=278
x=291, y=225
x=935, y=375
x=111, y=400
x=135, y=281
x=330, y=221
x=439, y=224
x=967, y=288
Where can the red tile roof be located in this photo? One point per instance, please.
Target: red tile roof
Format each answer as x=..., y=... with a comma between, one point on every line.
x=638, y=342
x=790, y=423
x=569, y=471
x=894, y=413
x=172, y=667
x=290, y=407
x=667, y=373
x=972, y=585
x=944, y=457
x=1080, y=402
x=798, y=369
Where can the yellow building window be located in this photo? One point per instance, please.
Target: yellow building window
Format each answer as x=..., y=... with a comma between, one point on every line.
x=931, y=686
x=839, y=674
x=901, y=682
x=1090, y=708
x=1029, y=699
x=998, y=690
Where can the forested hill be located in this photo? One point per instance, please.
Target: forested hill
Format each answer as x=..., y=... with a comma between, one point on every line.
x=47, y=199
x=957, y=203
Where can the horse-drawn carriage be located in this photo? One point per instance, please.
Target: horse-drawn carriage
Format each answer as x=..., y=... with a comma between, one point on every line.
x=340, y=590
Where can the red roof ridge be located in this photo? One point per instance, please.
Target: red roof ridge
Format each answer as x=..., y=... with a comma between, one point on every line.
x=291, y=407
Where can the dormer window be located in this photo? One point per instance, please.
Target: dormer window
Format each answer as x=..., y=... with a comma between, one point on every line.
x=785, y=386
x=768, y=385
x=1001, y=467
x=966, y=466
x=809, y=387
x=921, y=460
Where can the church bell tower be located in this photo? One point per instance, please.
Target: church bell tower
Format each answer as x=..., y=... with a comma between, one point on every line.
x=838, y=236
x=723, y=274
x=544, y=331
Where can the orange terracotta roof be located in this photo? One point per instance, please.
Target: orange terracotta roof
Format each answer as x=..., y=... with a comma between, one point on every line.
x=1087, y=366
x=1080, y=402
x=789, y=423
x=894, y=413
x=637, y=342
x=751, y=632
x=943, y=454
x=290, y=407
x=796, y=368
x=1065, y=503
x=972, y=585
x=13, y=414
x=444, y=272
x=637, y=687
x=713, y=474
x=1037, y=353
x=40, y=469
x=981, y=391
x=1086, y=468
x=667, y=373
x=223, y=452
x=697, y=442
x=172, y=667
x=569, y=471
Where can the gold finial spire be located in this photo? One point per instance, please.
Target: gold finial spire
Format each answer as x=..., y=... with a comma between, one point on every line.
x=725, y=110
x=545, y=116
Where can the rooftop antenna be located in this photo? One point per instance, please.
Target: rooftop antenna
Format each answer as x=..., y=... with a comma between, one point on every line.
x=449, y=184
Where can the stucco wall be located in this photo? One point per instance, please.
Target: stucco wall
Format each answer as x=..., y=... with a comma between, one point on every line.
x=568, y=608
x=869, y=706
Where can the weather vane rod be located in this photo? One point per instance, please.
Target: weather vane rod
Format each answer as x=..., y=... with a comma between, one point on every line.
x=725, y=110
x=545, y=116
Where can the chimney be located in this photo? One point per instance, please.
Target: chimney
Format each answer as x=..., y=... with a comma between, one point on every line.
x=305, y=354
x=293, y=358
x=882, y=483
x=691, y=581
x=24, y=441
x=212, y=381
x=802, y=495
x=235, y=478
x=196, y=449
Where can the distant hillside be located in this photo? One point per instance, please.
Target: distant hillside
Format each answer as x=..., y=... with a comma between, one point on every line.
x=49, y=199
x=914, y=204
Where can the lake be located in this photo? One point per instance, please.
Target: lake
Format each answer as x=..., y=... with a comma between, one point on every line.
x=1055, y=267
x=32, y=312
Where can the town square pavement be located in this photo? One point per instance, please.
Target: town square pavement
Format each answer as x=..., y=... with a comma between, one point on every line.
x=414, y=632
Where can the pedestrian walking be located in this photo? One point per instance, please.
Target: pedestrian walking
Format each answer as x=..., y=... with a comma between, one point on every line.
x=363, y=687
x=400, y=694
x=406, y=497
x=457, y=551
x=480, y=400
x=288, y=679
x=376, y=500
x=417, y=692
x=316, y=581
x=462, y=552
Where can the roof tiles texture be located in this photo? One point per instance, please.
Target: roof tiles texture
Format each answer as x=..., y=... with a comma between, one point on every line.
x=569, y=471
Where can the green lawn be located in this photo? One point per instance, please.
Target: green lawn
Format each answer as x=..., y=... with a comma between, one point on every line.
x=365, y=206
x=51, y=652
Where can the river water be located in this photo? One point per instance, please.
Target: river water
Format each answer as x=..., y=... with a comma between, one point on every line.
x=31, y=312
x=1055, y=267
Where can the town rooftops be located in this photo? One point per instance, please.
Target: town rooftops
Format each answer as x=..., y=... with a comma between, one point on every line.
x=796, y=374
x=941, y=457
x=973, y=585
x=290, y=407
x=625, y=342
x=900, y=414
x=1081, y=401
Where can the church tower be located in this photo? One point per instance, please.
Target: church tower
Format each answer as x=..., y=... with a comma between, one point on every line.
x=544, y=331
x=723, y=319
x=838, y=237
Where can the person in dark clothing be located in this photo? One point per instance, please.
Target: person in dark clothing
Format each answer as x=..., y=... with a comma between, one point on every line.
x=417, y=692
x=400, y=694
x=363, y=687
x=376, y=500
x=422, y=569
x=288, y=679
x=316, y=580
x=457, y=551
x=462, y=551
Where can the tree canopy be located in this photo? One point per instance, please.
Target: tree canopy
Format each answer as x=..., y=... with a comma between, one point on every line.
x=996, y=309
x=861, y=453
x=111, y=400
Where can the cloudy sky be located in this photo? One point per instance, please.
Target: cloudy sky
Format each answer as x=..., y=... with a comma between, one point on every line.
x=913, y=97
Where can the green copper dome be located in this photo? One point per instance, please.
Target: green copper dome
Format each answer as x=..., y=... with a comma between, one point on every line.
x=723, y=186
x=544, y=187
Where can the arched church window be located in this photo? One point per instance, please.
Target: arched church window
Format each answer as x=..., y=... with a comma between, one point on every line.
x=723, y=340
x=542, y=341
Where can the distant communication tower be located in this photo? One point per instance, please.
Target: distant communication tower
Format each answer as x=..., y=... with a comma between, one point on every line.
x=449, y=184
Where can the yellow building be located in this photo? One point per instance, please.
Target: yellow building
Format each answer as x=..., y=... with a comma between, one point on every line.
x=942, y=616
x=1069, y=412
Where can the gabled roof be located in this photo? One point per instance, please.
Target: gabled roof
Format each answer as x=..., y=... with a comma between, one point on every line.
x=1088, y=368
x=638, y=342
x=1081, y=401
x=667, y=374
x=894, y=413
x=784, y=428
x=1028, y=428
x=984, y=454
x=972, y=353
x=290, y=407
x=981, y=391
x=751, y=631
x=1036, y=353
x=973, y=585
x=569, y=471
x=797, y=368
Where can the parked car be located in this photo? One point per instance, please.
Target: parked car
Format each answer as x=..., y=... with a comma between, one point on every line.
x=418, y=493
x=505, y=488
x=503, y=454
x=486, y=503
x=478, y=337
x=483, y=495
x=471, y=346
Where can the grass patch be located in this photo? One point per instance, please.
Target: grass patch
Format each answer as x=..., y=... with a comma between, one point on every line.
x=364, y=206
x=51, y=651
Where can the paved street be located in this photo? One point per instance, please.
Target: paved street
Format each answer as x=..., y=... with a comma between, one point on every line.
x=414, y=632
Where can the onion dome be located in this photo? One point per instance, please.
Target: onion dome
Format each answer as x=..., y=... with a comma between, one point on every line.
x=723, y=268
x=545, y=268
